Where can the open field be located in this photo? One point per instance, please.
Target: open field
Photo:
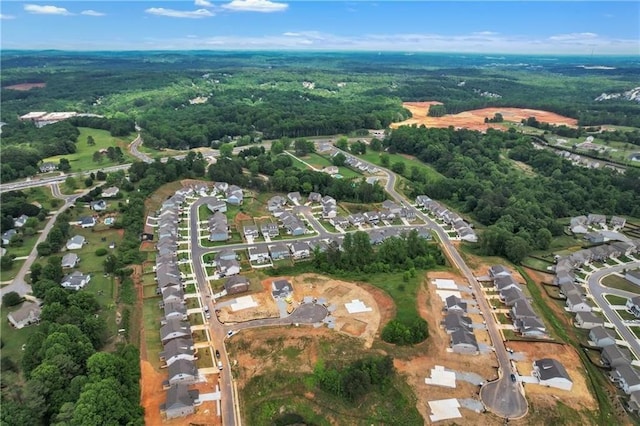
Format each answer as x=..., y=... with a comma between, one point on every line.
x=82, y=159
x=618, y=282
x=474, y=119
x=10, y=274
x=12, y=338
x=408, y=160
x=22, y=87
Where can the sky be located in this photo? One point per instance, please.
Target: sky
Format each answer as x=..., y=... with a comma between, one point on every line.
x=534, y=27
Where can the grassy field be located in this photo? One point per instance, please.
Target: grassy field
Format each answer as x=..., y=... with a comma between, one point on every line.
x=12, y=338
x=42, y=195
x=320, y=162
x=151, y=325
x=615, y=300
x=89, y=262
x=82, y=159
x=7, y=275
x=431, y=173
x=615, y=281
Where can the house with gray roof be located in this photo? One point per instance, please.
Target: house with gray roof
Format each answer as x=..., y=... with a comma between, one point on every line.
x=183, y=371
x=177, y=349
x=522, y=309
x=314, y=197
x=280, y=289
x=27, y=314
x=258, y=254
x=455, y=321
x=217, y=206
x=300, y=250
x=251, y=231
x=87, y=222
x=496, y=271
x=76, y=280
x=75, y=243
x=236, y=284
x=110, y=192
x=20, y=221
x=276, y=202
x=530, y=327
x=70, y=260
x=98, y=206
x=626, y=377
x=578, y=225
x=596, y=219
x=295, y=198
x=339, y=221
x=633, y=306
x=225, y=254
x=602, y=337
x=504, y=282
x=226, y=268
x=180, y=402
x=7, y=236
x=614, y=356
x=175, y=310
x=588, y=320
x=511, y=295
x=218, y=227
x=270, y=229
x=633, y=276
x=617, y=222
x=279, y=251
x=175, y=329
x=464, y=342
x=234, y=195
x=576, y=303
x=550, y=372
x=455, y=304
x=172, y=294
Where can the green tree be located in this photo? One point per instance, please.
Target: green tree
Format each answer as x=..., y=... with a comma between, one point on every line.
x=70, y=182
x=375, y=145
x=110, y=264
x=338, y=159
x=398, y=167
x=385, y=160
x=226, y=150
x=90, y=141
x=277, y=147
x=543, y=239
x=88, y=182
x=97, y=157
x=64, y=165
x=6, y=262
x=343, y=143
x=517, y=249
x=11, y=299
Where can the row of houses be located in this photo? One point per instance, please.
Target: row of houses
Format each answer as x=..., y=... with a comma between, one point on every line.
x=178, y=355
x=462, y=228
x=459, y=327
x=355, y=163
x=525, y=320
x=582, y=224
x=566, y=265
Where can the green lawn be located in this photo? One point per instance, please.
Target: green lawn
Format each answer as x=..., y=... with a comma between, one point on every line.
x=625, y=315
x=13, y=339
x=82, y=159
x=615, y=300
x=7, y=275
x=151, y=324
x=431, y=173
x=615, y=281
x=89, y=262
x=636, y=331
x=320, y=162
x=42, y=195
x=317, y=160
x=204, y=213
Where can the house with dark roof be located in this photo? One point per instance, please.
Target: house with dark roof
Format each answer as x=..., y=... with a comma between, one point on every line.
x=180, y=402
x=530, y=327
x=300, y=250
x=550, y=372
x=503, y=282
x=270, y=229
x=226, y=268
x=279, y=251
x=174, y=329
x=217, y=206
x=614, y=356
x=183, y=371
x=575, y=303
x=7, y=236
x=455, y=304
x=234, y=195
x=98, y=206
x=602, y=337
x=496, y=271
x=314, y=197
x=522, y=309
x=588, y=320
x=177, y=349
x=281, y=289
x=87, y=222
x=76, y=280
x=258, y=254
x=511, y=295
x=617, y=222
x=218, y=227
x=626, y=377
x=236, y=284
x=175, y=310
x=226, y=254
x=276, y=202
x=464, y=342
x=27, y=314
x=172, y=294
x=455, y=321
x=250, y=231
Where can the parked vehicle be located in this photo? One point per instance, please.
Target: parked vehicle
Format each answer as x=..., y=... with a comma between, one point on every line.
x=217, y=353
x=219, y=365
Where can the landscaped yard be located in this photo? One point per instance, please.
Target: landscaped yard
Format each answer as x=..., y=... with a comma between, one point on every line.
x=625, y=315
x=431, y=173
x=9, y=274
x=151, y=317
x=89, y=262
x=13, y=339
x=615, y=300
x=636, y=331
x=616, y=281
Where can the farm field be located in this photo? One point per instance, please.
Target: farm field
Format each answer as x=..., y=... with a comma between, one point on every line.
x=82, y=159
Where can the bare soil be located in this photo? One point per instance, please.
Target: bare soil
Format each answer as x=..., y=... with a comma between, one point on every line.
x=266, y=308
x=474, y=119
x=23, y=87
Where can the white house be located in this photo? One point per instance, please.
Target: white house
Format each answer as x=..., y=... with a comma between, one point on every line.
x=76, y=242
x=29, y=313
x=70, y=260
x=87, y=221
x=633, y=306
x=259, y=254
x=576, y=303
x=110, y=192
x=551, y=373
x=588, y=320
x=98, y=205
x=20, y=221
x=75, y=280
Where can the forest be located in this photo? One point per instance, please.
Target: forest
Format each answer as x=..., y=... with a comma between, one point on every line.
x=520, y=210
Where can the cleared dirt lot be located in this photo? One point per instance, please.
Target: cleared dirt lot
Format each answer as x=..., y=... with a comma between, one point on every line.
x=474, y=119
x=25, y=86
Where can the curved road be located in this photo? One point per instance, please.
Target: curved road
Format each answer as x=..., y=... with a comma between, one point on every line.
x=503, y=397
x=598, y=291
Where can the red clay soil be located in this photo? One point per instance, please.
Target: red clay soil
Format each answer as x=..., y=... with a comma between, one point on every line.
x=474, y=119
x=25, y=86
x=152, y=393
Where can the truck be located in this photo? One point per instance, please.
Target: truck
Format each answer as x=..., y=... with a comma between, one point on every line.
x=220, y=365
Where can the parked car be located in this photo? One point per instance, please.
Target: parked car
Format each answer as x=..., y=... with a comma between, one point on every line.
x=217, y=353
x=513, y=377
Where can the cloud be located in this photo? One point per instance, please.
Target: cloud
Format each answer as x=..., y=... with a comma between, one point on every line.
x=3, y=16
x=203, y=3
x=193, y=14
x=485, y=33
x=573, y=37
x=291, y=34
x=91, y=13
x=45, y=10
x=264, y=6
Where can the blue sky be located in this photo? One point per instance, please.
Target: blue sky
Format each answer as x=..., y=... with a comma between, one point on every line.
x=546, y=27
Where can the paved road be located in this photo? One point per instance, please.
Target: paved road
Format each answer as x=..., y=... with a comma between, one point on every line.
x=598, y=291
x=18, y=284
x=503, y=397
x=133, y=149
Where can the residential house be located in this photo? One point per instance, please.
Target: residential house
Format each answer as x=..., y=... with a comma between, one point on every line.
x=217, y=206
x=270, y=229
x=371, y=217
x=174, y=329
x=455, y=304
x=20, y=221
x=329, y=209
x=236, y=284
x=617, y=222
x=110, y=192
x=496, y=271
x=279, y=251
x=7, y=236
x=314, y=197
x=295, y=198
x=530, y=327
x=356, y=219
x=408, y=214
x=550, y=372
x=276, y=202
x=281, y=289
x=564, y=277
x=588, y=320
x=225, y=254
x=455, y=321
x=292, y=224
x=521, y=309
x=177, y=349
x=183, y=371
x=464, y=342
x=175, y=310
x=234, y=195
x=578, y=225
x=300, y=250
x=250, y=231
x=98, y=206
x=510, y=296
x=504, y=282
x=259, y=254
x=627, y=378
x=180, y=402
x=322, y=246
x=221, y=187
x=467, y=234
x=339, y=221
x=218, y=227
x=48, y=167
x=634, y=402
x=75, y=280
x=614, y=356
x=172, y=294
x=75, y=243
x=226, y=268
x=597, y=219
x=633, y=277
x=27, y=314
x=576, y=303
x=602, y=337
x=376, y=236
x=633, y=306
x=332, y=170
x=70, y=260
x=87, y=221
x=594, y=237
x=392, y=206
